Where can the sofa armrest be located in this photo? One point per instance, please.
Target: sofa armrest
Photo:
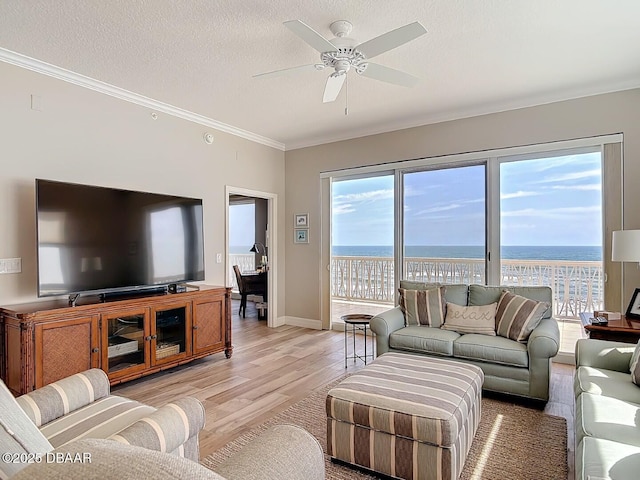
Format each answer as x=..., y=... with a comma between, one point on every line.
x=283, y=451
x=168, y=428
x=98, y=459
x=544, y=341
x=383, y=325
x=604, y=354
x=67, y=395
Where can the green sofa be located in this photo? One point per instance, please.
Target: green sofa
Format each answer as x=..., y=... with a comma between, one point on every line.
x=607, y=415
x=511, y=367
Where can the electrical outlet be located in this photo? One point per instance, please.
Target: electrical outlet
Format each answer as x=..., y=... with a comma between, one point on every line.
x=10, y=265
x=219, y=258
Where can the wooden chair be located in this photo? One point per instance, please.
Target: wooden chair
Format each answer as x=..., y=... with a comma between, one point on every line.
x=245, y=289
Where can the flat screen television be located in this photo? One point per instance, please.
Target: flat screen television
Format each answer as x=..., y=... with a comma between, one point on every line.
x=104, y=240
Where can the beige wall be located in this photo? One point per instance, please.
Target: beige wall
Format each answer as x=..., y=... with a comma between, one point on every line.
x=592, y=116
x=86, y=137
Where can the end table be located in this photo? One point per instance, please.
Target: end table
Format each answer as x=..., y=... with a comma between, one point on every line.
x=357, y=322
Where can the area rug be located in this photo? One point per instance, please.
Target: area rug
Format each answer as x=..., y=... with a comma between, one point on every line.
x=513, y=441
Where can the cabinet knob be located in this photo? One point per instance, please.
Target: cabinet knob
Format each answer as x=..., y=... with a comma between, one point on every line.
x=147, y=338
x=95, y=350
x=153, y=337
x=195, y=327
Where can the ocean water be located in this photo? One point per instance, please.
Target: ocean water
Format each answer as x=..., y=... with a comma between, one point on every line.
x=514, y=252
x=570, y=253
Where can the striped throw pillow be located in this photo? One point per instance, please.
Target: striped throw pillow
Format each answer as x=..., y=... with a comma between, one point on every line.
x=634, y=365
x=474, y=319
x=423, y=307
x=517, y=316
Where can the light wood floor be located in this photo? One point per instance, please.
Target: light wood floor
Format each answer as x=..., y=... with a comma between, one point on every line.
x=272, y=369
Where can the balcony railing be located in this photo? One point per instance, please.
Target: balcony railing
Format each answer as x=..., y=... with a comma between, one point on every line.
x=576, y=286
x=246, y=262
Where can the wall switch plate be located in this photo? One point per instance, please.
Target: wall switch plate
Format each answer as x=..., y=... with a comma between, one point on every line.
x=219, y=258
x=10, y=265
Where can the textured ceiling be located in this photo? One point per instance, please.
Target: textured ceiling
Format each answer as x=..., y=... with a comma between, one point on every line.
x=479, y=56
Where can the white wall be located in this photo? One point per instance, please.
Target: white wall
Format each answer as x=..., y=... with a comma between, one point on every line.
x=86, y=137
x=592, y=116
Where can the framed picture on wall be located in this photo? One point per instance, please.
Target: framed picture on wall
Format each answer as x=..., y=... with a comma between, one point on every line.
x=301, y=220
x=301, y=235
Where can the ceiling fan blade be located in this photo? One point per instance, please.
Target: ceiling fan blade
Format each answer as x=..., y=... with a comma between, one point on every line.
x=287, y=71
x=389, y=75
x=333, y=87
x=392, y=39
x=309, y=35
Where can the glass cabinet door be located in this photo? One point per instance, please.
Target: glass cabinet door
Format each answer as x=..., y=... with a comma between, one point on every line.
x=125, y=339
x=169, y=333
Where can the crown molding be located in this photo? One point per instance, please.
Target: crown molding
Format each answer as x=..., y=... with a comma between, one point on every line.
x=44, y=68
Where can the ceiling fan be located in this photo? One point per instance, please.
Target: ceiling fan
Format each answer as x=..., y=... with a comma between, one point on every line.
x=343, y=54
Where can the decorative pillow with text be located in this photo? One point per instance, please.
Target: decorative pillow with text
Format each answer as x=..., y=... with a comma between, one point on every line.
x=423, y=307
x=517, y=316
x=473, y=319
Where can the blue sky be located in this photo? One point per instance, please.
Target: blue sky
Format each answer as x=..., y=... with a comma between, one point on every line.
x=242, y=225
x=551, y=201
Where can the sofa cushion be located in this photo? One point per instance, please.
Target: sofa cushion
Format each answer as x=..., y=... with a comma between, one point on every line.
x=491, y=349
x=597, y=459
x=423, y=307
x=608, y=418
x=484, y=295
x=424, y=340
x=455, y=293
x=634, y=365
x=100, y=419
x=18, y=434
x=474, y=319
x=517, y=316
x=607, y=383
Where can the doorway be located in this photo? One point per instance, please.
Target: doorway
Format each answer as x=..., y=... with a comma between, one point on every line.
x=251, y=242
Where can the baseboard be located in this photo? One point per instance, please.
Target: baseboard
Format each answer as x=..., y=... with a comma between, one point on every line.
x=302, y=322
x=567, y=358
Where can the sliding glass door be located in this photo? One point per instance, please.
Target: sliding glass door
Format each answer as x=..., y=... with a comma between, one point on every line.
x=362, y=253
x=444, y=226
x=527, y=216
x=551, y=232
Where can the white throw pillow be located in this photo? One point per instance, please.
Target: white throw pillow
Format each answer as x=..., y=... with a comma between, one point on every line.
x=473, y=319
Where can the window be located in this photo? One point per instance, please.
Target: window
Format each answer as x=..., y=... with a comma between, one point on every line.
x=362, y=252
x=519, y=216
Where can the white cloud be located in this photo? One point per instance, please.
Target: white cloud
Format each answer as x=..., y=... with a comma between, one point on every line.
x=592, y=186
x=364, y=196
x=518, y=194
x=561, y=212
x=442, y=208
x=342, y=209
x=596, y=172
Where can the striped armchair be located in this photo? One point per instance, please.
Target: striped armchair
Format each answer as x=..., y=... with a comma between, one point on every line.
x=98, y=435
x=81, y=406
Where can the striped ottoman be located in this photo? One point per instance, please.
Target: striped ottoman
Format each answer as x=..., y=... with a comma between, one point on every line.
x=406, y=416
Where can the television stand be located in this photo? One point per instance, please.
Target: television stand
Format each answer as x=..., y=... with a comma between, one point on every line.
x=42, y=342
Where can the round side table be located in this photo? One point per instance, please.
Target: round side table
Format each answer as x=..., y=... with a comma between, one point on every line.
x=357, y=322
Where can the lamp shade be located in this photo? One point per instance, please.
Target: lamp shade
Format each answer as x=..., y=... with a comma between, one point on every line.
x=626, y=246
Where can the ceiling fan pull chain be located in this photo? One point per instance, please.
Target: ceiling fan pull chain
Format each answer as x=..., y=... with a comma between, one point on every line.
x=346, y=95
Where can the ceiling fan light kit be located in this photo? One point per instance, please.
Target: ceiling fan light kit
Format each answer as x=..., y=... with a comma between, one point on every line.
x=344, y=54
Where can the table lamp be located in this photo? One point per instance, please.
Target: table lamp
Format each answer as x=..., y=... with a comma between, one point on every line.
x=625, y=247
x=256, y=249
